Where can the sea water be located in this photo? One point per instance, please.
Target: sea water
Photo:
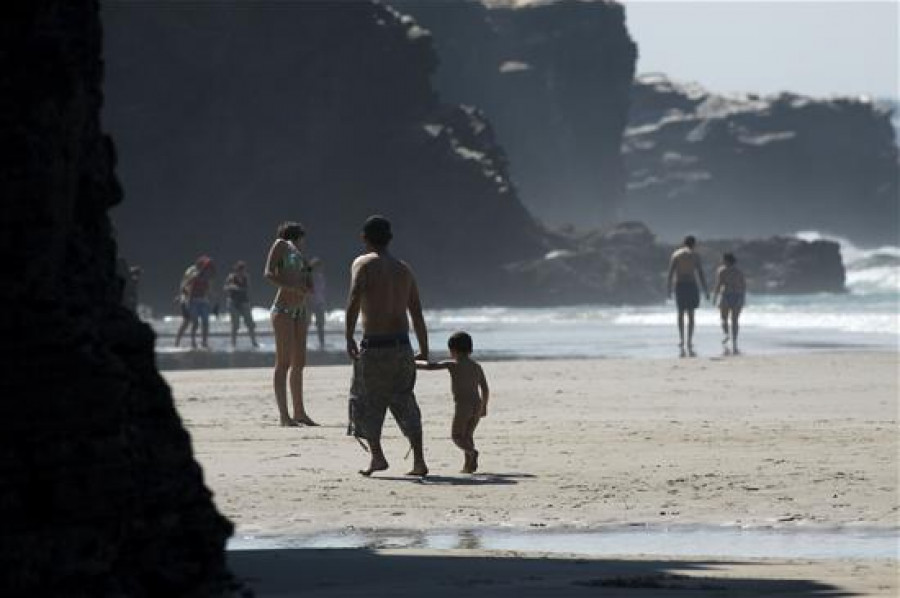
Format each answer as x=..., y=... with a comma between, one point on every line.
x=865, y=318
x=677, y=541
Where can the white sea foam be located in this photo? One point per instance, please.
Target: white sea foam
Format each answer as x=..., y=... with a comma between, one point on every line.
x=869, y=270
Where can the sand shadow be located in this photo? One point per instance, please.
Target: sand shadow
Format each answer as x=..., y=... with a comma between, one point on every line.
x=363, y=572
x=478, y=479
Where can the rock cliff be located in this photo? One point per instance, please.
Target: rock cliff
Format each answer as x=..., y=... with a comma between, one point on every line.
x=554, y=79
x=99, y=491
x=232, y=119
x=746, y=165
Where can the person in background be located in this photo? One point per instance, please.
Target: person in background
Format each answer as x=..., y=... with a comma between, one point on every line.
x=237, y=293
x=731, y=288
x=200, y=295
x=317, y=302
x=684, y=270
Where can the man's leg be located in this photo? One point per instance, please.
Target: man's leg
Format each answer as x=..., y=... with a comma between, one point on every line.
x=378, y=462
x=681, y=327
x=690, y=331
x=735, y=314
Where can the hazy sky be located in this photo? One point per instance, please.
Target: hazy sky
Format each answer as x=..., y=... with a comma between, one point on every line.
x=811, y=47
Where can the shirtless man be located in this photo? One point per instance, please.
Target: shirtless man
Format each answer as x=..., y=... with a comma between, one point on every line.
x=684, y=269
x=383, y=288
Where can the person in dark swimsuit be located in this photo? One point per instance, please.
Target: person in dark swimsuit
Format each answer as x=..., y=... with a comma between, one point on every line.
x=684, y=270
x=288, y=270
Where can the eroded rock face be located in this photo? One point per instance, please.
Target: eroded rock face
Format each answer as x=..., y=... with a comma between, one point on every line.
x=99, y=491
x=628, y=265
x=554, y=78
x=741, y=166
x=232, y=119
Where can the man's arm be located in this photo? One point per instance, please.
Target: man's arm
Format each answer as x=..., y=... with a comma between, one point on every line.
x=414, y=306
x=354, y=302
x=699, y=266
x=671, y=276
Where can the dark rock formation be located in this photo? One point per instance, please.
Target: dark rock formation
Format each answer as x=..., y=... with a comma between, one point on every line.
x=99, y=492
x=233, y=117
x=747, y=165
x=554, y=79
x=628, y=265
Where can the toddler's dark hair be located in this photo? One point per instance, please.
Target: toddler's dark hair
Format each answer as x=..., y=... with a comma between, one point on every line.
x=729, y=258
x=460, y=342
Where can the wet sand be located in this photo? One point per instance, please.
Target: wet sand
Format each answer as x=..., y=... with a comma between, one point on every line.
x=800, y=440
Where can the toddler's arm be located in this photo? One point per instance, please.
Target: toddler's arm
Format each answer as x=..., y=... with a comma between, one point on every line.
x=485, y=391
x=432, y=365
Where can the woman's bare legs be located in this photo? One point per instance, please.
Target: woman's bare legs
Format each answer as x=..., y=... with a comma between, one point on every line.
x=298, y=362
x=283, y=328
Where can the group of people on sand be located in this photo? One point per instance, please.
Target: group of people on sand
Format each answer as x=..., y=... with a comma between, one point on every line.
x=197, y=301
x=384, y=293
x=729, y=293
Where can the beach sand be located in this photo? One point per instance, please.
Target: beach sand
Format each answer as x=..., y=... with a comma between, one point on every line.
x=793, y=441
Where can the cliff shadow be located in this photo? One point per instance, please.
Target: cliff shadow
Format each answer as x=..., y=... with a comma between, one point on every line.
x=358, y=572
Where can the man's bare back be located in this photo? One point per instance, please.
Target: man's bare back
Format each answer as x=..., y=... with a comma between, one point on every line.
x=385, y=285
x=684, y=264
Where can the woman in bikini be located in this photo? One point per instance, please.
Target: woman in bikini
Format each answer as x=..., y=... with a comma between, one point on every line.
x=287, y=269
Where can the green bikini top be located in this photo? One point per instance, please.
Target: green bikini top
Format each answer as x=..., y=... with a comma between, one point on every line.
x=292, y=259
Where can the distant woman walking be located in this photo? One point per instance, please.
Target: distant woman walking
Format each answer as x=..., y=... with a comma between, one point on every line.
x=287, y=269
x=730, y=286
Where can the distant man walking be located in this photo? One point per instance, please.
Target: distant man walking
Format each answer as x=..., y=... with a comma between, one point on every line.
x=383, y=289
x=684, y=269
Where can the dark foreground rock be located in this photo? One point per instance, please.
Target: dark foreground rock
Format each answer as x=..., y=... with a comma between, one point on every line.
x=233, y=118
x=628, y=265
x=740, y=165
x=99, y=491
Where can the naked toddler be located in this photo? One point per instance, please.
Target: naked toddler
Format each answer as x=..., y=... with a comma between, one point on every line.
x=467, y=379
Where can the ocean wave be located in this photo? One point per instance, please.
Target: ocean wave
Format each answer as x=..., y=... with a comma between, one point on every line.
x=869, y=270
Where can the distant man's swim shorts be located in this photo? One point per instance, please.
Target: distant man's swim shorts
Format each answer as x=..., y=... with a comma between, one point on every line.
x=384, y=376
x=687, y=295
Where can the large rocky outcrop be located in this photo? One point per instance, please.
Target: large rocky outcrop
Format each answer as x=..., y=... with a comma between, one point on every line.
x=99, y=492
x=554, y=79
x=627, y=264
x=233, y=118
x=746, y=165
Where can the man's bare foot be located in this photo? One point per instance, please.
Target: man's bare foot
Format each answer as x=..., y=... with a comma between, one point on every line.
x=287, y=422
x=420, y=470
x=375, y=465
x=305, y=420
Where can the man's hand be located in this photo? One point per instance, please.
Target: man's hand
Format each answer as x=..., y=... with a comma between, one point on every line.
x=352, y=349
x=483, y=410
x=707, y=297
x=422, y=356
